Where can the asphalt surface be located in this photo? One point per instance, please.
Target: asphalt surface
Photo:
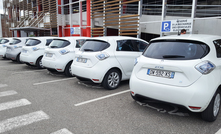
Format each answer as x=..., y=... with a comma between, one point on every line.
x=34, y=101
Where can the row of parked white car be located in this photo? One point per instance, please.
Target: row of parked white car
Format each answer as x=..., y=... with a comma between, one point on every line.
x=182, y=69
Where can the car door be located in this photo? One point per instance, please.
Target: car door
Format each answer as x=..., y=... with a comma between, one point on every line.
x=126, y=53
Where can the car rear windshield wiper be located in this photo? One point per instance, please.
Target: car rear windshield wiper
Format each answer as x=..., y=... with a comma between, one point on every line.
x=88, y=50
x=173, y=56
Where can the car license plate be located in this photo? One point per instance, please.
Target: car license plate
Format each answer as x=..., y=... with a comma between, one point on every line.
x=161, y=73
x=83, y=60
x=49, y=55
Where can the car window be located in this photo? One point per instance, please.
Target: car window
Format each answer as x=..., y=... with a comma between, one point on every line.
x=80, y=42
x=176, y=50
x=58, y=43
x=94, y=45
x=131, y=45
x=217, y=44
x=48, y=41
x=3, y=41
x=32, y=42
x=14, y=41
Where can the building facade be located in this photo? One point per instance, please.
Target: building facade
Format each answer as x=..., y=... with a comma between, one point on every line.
x=138, y=18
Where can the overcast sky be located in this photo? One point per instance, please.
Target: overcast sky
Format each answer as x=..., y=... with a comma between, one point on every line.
x=1, y=7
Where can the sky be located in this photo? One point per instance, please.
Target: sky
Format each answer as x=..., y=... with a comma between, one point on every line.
x=1, y=7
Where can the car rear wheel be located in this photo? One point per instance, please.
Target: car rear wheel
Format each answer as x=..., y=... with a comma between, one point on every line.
x=212, y=111
x=112, y=79
x=67, y=70
x=18, y=58
x=39, y=63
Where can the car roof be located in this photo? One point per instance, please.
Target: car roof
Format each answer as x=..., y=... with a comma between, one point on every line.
x=48, y=37
x=73, y=37
x=195, y=37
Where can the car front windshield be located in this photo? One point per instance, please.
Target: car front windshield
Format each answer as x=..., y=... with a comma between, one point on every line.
x=176, y=50
x=32, y=42
x=59, y=43
x=14, y=42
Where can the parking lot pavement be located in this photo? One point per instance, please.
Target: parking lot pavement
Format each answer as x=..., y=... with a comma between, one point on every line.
x=38, y=102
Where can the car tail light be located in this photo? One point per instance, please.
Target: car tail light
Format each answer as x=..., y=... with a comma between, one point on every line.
x=35, y=48
x=205, y=67
x=64, y=51
x=102, y=56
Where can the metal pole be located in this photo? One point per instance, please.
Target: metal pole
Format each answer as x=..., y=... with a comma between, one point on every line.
x=193, y=14
x=70, y=17
x=140, y=3
x=80, y=16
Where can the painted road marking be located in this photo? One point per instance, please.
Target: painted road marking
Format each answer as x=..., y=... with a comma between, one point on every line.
x=14, y=104
x=62, y=131
x=3, y=85
x=100, y=98
x=23, y=120
x=27, y=71
x=218, y=132
x=52, y=81
x=7, y=93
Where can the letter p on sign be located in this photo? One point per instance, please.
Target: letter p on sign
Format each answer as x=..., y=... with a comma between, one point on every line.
x=166, y=26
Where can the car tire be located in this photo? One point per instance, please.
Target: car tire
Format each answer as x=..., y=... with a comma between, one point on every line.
x=39, y=63
x=211, y=112
x=67, y=70
x=18, y=58
x=112, y=79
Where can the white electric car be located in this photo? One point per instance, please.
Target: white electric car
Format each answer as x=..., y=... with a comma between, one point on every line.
x=60, y=53
x=107, y=60
x=183, y=70
x=3, y=43
x=34, y=49
x=14, y=48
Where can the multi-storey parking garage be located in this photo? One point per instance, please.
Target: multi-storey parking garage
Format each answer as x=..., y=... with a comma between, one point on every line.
x=141, y=18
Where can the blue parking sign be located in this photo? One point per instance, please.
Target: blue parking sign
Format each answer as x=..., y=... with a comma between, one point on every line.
x=72, y=30
x=166, y=25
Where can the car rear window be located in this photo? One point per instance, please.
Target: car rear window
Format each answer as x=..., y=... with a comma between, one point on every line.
x=59, y=43
x=94, y=45
x=14, y=41
x=3, y=41
x=176, y=50
x=32, y=42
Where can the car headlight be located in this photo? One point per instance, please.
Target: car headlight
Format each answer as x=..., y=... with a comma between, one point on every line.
x=205, y=67
x=64, y=51
x=102, y=56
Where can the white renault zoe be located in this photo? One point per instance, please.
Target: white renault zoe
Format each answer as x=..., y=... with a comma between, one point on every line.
x=3, y=43
x=107, y=60
x=183, y=70
x=34, y=49
x=60, y=53
x=14, y=48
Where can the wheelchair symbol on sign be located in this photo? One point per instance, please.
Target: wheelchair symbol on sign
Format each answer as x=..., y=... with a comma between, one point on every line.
x=166, y=26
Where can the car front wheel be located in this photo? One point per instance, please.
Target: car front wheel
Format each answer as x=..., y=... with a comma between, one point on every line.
x=212, y=111
x=112, y=79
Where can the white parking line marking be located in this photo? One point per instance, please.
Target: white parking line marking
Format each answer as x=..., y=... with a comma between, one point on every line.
x=104, y=97
x=28, y=71
x=3, y=85
x=13, y=65
x=218, y=132
x=52, y=81
x=62, y=131
x=7, y=93
x=23, y=120
x=14, y=104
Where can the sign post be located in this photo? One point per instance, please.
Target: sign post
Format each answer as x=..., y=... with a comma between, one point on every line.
x=177, y=25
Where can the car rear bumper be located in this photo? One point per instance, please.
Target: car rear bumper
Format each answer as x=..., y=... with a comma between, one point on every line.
x=28, y=59
x=198, y=94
